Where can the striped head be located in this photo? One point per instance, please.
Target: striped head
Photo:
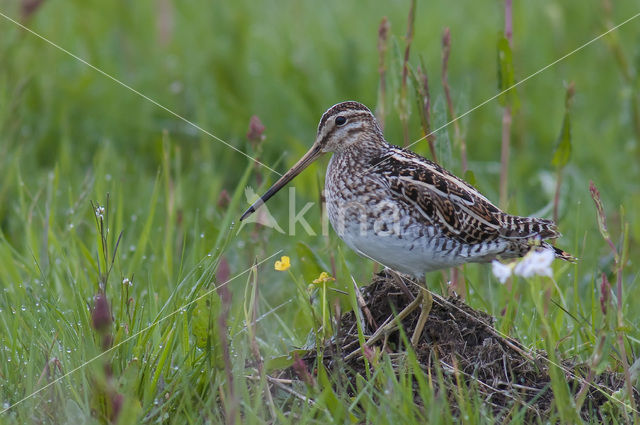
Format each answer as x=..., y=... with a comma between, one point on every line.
x=345, y=124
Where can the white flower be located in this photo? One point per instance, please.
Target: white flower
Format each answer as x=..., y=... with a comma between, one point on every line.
x=100, y=212
x=535, y=263
x=501, y=271
x=126, y=282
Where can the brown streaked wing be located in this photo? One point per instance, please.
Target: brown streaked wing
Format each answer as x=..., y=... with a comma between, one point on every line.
x=452, y=204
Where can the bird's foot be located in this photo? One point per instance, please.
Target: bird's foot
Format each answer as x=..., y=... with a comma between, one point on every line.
x=391, y=324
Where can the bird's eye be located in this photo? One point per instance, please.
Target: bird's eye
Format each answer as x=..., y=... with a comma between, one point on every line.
x=340, y=120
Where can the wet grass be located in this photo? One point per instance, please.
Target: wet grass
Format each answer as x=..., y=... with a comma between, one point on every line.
x=163, y=309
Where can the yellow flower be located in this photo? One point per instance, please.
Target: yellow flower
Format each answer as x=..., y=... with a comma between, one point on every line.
x=323, y=278
x=283, y=264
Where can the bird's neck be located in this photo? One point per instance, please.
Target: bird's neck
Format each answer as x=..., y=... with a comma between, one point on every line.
x=367, y=148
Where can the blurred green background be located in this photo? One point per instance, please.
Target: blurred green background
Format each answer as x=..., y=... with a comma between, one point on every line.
x=69, y=134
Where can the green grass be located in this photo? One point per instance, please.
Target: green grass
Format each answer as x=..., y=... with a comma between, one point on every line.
x=69, y=136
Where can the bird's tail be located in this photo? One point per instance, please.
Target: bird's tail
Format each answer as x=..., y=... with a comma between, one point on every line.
x=516, y=227
x=563, y=255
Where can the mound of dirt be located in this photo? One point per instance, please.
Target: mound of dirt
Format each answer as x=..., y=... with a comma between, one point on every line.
x=462, y=342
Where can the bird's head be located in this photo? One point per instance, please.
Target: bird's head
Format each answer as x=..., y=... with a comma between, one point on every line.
x=344, y=126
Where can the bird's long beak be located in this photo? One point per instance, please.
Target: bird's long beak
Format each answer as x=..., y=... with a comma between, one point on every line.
x=303, y=163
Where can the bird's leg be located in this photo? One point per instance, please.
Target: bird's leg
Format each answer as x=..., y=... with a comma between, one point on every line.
x=424, y=300
x=389, y=325
x=400, y=282
x=427, y=303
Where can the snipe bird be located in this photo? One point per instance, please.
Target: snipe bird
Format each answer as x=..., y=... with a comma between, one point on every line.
x=405, y=211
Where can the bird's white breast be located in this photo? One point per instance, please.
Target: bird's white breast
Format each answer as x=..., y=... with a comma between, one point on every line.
x=381, y=229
